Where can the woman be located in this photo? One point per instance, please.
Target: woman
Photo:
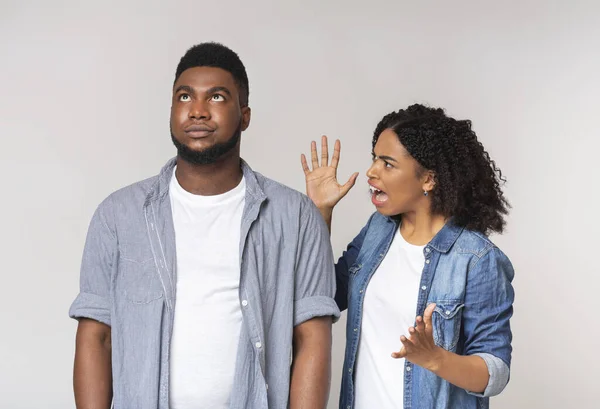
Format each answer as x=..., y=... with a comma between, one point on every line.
x=424, y=254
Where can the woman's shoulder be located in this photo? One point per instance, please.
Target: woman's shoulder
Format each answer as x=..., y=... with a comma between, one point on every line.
x=477, y=244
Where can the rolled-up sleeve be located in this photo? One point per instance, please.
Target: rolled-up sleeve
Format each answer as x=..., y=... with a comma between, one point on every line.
x=99, y=255
x=315, y=273
x=489, y=299
x=499, y=374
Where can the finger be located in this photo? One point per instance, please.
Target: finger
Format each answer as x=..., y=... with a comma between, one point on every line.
x=304, y=164
x=335, y=159
x=324, y=151
x=313, y=155
x=406, y=343
x=414, y=335
x=420, y=325
x=349, y=184
x=400, y=354
x=428, y=314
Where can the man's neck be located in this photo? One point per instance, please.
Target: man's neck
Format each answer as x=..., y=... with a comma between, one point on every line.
x=209, y=180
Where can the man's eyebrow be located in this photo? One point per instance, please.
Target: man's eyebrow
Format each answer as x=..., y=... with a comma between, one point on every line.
x=185, y=88
x=215, y=90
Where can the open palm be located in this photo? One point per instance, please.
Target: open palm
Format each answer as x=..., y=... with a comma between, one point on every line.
x=321, y=182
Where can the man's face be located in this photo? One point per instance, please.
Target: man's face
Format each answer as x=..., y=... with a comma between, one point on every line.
x=206, y=116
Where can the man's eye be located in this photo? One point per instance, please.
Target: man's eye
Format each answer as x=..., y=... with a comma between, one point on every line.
x=184, y=97
x=218, y=98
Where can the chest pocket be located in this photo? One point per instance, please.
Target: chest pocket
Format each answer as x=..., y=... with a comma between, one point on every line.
x=447, y=318
x=138, y=280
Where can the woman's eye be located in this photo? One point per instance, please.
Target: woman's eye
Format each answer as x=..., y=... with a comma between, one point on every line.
x=218, y=98
x=387, y=164
x=184, y=97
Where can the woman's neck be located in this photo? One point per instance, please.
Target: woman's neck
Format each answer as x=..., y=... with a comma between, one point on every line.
x=420, y=228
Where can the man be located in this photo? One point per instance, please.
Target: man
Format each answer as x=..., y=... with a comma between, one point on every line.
x=198, y=285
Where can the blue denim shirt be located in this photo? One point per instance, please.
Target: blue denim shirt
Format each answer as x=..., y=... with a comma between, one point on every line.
x=128, y=281
x=470, y=281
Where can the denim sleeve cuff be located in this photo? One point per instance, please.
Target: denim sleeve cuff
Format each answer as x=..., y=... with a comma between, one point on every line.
x=499, y=374
x=316, y=306
x=91, y=306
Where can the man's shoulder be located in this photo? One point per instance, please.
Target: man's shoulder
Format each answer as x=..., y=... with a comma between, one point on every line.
x=279, y=194
x=133, y=195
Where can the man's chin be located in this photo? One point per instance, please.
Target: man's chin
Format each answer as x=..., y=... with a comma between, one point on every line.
x=206, y=151
x=194, y=149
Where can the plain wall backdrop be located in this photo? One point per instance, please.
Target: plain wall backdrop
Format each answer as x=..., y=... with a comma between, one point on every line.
x=85, y=90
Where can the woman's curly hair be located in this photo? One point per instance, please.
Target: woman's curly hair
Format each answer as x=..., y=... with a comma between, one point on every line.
x=467, y=181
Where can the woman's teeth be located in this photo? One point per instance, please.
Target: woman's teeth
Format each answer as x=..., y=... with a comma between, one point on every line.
x=379, y=195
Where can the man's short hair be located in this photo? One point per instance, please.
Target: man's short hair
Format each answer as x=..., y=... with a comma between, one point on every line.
x=217, y=55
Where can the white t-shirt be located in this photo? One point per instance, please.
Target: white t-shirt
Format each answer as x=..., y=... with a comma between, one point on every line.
x=208, y=315
x=389, y=309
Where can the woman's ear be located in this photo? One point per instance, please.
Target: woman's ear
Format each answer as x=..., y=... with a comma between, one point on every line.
x=428, y=179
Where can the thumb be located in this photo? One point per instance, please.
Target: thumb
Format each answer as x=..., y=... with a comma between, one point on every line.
x=401, y=354
x=349, y=184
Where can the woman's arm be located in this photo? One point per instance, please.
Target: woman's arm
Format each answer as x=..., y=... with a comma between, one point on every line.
x=342, y=267
x=484, y=368
x=324, y=190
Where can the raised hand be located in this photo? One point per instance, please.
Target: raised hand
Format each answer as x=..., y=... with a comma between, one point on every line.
x=321, y=182
x=420, y=348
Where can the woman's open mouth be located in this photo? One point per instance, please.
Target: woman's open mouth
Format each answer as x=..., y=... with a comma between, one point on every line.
x=378, y=197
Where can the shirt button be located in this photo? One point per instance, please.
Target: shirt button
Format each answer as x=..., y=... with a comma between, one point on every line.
x=424, y=288
x=258, y=345
x=447, y=312
x=427, y=249
x=355, y=329
x=427, y=261
x=244, y=303
x=350, y=370
x=408, y=369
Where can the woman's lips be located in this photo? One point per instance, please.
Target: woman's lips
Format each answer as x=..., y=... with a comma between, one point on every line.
x=378, y=197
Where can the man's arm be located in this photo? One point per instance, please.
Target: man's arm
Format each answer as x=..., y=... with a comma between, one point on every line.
x=311, y=366
x=92, y=374
x=92, y=378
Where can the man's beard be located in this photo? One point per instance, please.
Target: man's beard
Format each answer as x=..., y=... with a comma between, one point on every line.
x=209, y=155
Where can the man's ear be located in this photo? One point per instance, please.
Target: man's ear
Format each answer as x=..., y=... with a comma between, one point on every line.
x=246, y=115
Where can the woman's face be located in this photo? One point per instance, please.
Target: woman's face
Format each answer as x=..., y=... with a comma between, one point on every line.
x=397, y=180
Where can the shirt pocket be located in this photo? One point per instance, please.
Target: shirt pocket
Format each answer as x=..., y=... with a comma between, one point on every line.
x=447, y=319
x=139, y=282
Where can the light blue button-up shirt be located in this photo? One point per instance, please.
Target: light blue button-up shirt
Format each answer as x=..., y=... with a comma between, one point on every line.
x=128, y=281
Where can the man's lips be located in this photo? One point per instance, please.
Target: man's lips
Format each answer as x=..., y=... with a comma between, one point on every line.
x=198, y=131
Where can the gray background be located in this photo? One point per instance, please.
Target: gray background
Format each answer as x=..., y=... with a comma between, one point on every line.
x=85, y=91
